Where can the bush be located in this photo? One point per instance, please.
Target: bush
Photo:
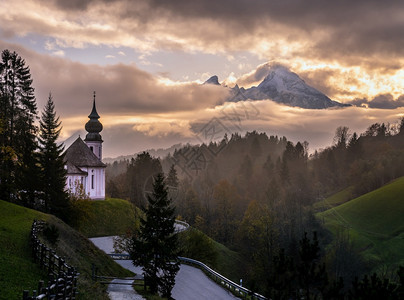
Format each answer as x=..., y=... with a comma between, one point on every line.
x=51, y=233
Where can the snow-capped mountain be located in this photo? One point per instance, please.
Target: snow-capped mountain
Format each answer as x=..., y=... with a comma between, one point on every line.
x=283, y=86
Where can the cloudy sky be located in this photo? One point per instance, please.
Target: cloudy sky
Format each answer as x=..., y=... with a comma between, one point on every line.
x=146, y=60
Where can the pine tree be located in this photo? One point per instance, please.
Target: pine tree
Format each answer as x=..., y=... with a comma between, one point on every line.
x=172, y=178
x=53, y=174
x=155, y=246
x=18, y=160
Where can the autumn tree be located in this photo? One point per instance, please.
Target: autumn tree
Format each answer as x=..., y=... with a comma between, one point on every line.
x=341, y=137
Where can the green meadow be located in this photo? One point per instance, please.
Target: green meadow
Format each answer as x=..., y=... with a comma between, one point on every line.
x=375, y=222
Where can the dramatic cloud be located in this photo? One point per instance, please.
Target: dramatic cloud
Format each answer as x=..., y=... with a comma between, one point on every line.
x=254, y=77
x=121, y=89
x=356, y=32
x=385, y=101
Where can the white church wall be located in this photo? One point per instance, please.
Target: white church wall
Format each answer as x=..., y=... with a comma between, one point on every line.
x=73, y=182
x=95, y=186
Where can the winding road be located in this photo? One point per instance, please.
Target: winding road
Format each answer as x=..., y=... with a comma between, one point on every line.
x=190, y=282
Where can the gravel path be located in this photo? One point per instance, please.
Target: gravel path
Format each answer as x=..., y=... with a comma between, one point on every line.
x=190, y=283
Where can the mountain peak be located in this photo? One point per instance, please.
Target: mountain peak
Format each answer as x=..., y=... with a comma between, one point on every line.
x=283, y=86
x=212, y=80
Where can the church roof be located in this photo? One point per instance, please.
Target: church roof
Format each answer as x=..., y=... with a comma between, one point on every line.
x=72, y=169
x=79, y=155
x=94, y=114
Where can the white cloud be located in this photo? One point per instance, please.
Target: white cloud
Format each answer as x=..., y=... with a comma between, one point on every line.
x=59, y=53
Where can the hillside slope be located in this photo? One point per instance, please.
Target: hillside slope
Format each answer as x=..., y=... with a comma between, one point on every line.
x=17, y=270
x=109, y=217
x=375, y=223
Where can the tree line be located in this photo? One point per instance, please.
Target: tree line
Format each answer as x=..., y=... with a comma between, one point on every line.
x=31, y=161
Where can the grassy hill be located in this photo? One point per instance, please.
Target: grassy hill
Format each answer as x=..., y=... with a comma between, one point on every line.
x=334, y=200
x=108, y=217
x=375, y=222
x=18, y=272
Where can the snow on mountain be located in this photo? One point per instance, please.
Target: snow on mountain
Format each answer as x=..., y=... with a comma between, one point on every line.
x=286, y=87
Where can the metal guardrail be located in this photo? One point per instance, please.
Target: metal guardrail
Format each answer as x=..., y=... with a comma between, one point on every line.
x=185, y=224
x=231, y=285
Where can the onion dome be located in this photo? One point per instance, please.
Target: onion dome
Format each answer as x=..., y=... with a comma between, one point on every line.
x=93, y=126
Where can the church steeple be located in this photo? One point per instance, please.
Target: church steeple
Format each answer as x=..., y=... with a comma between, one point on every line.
x=94, y=114
x=94, y=127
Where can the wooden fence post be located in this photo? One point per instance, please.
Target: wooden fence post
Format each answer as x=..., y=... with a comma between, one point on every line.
x=60, y=264
x=41, y=255
x=51, y=261
x=25, y=294
x=40, y=286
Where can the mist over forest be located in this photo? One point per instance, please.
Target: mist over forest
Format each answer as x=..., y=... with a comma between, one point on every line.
x=257, y=194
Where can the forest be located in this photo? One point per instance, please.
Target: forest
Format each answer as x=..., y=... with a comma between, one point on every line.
x=256, y=194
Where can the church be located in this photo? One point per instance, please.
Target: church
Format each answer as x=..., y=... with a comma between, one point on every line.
x=83, y=161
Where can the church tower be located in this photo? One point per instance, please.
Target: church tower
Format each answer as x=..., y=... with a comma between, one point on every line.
x=94, y=127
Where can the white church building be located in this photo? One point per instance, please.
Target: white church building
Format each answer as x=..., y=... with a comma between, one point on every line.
x=83, y=160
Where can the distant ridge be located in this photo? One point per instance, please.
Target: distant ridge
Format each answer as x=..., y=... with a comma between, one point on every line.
x=153, y=152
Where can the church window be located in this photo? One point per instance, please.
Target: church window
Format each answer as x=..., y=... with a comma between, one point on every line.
x=92, y=149
x=92, y=181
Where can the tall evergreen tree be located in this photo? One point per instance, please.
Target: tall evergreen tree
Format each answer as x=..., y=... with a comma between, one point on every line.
x=172, y=178
x=155, y=246
x=18, y=161
x=53, y=174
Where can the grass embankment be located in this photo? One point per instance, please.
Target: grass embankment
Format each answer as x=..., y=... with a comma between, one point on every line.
x=375, y=223
x=109, y=217
x=334, y=200
x=17, y=270
x=197, y=245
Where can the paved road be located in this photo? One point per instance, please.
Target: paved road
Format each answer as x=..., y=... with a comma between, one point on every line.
x=122, y=291
x=190, y=283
